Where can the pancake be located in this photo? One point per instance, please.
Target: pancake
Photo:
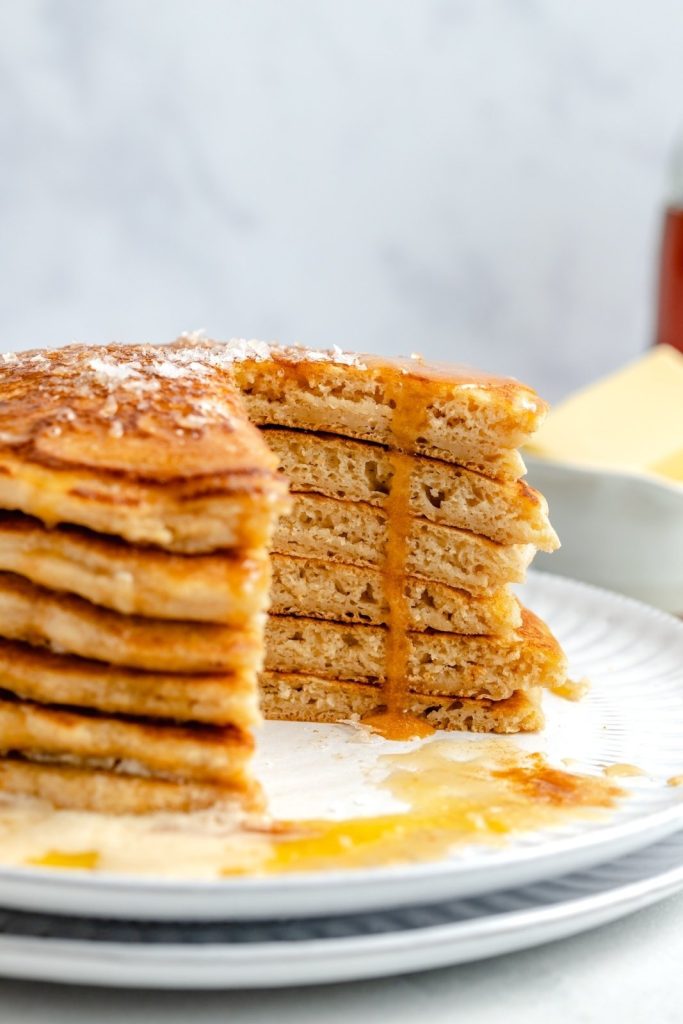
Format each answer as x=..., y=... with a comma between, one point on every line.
x=203, y=753
x=294, y=697
x=123, y=441
x=507, y=512
x=35, y=674
x=351, y=593
x=135, y=581
x=465, y=415
x=436, y=663
x=65, y=623
x=191, y=517
x=107, y=792
x=356, y=534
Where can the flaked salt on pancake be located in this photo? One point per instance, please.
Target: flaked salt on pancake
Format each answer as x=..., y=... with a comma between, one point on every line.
x=124, y=441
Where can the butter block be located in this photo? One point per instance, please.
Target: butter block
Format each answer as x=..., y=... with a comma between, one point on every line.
x=632, y=420
x=671, y=466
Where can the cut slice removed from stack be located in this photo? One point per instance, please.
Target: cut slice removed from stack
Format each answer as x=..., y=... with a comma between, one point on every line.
x=410, y=522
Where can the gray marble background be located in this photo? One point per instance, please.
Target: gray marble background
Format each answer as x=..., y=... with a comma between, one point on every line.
x=474, y=179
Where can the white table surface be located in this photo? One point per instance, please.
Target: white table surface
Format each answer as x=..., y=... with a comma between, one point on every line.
x=625, y=973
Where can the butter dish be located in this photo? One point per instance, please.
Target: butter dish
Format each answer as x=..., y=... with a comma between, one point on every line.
x=619, y=530
x=610, y=461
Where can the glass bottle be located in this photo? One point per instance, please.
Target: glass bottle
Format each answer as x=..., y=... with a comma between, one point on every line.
x=670, y=299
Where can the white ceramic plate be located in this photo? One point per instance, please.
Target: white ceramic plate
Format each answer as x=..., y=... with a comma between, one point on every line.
x=633, y=656
x=269, y=954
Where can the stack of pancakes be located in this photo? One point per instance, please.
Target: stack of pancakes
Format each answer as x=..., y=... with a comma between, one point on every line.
x=137, y=508
x=139, y=504
x=391, y=595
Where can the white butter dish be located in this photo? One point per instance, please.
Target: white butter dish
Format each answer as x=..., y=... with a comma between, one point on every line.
x=619, y=530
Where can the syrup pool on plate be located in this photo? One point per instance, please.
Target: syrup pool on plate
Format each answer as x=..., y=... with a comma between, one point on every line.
x=450, y=794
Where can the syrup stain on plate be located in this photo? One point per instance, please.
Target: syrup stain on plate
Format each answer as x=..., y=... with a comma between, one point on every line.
x=449, y=794
x=622, y=770
x=482, y=798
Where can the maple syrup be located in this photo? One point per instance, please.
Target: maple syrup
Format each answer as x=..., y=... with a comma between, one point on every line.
x=484, y=798
x=670, y=299
x=394, y=721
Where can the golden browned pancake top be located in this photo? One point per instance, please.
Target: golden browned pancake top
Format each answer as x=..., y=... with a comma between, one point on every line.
x=128, y=409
